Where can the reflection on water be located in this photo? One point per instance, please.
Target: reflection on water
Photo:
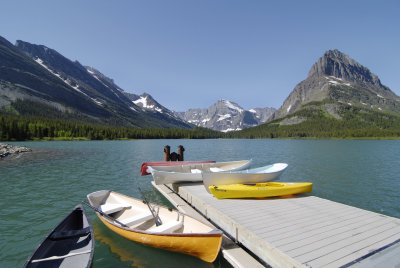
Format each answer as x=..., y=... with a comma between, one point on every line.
x=122, y=252
x=133, y=254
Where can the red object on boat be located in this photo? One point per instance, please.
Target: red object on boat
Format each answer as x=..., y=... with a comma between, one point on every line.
x=145, y=165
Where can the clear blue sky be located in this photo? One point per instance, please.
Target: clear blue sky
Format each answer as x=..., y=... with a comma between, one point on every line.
x=189, y=54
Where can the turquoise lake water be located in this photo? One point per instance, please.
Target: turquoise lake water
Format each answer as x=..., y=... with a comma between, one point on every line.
x=38, y=189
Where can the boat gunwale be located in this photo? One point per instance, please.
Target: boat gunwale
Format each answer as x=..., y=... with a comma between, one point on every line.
x=247, y=163
x=253, y=175
x=146, y=165
x=213, y=233
x=257, y=170
x=29, y=260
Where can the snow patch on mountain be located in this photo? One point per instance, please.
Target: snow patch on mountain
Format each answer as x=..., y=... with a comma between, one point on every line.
x=336, y=81
x=224, y=117
x=233, y=106
x=67, y=81
x=227, y=116
x=143, y=101
x=96, y=77
x=231, y=129
x=147, y=103
x=104, y=80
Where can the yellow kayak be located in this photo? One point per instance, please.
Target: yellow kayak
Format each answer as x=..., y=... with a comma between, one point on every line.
x=260, y=190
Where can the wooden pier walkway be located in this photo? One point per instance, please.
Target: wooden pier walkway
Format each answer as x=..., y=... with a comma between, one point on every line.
x=301, y=231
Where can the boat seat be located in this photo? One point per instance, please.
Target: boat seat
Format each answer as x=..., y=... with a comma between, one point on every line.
x=142, y=217
x=112, y=208
x=167, y=227
x=70, y=234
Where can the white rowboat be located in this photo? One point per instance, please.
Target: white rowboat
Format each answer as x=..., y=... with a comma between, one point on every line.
x=255, y=175
x=192, y=172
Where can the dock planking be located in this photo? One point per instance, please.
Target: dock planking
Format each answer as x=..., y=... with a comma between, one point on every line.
x=298, y=231
x=234, y=254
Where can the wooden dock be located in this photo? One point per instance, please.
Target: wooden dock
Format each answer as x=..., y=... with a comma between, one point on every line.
x=301, y=231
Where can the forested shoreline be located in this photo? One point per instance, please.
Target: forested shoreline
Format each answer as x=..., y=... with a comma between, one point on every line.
x=22, y=128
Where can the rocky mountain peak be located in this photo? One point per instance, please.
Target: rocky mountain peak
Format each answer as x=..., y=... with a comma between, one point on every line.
x=40, y=52
x=337, y=64
x=229, y=106
x=147, y=103
x=226, y=115
x=336, y=76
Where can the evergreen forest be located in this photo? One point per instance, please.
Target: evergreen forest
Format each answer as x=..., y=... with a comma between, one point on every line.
x=316, y=123
x=20, y=128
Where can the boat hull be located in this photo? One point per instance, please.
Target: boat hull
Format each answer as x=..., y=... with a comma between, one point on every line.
x=193, y=172
x=70, y=244
x=260, y=190
x=130, y=218
x=144, y=169
x=255, y=175
x=204, y=247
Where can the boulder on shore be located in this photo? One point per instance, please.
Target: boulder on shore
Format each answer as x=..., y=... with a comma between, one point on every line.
x=7, y=149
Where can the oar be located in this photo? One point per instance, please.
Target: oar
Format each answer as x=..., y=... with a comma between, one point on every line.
x=61, y=257
x=156, y=217
x=104, y=214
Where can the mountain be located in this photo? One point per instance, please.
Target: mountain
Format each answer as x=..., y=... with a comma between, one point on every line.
x=148, y=104
x=313, y=121
x=263, y=114
x=145, y=102
x=340, y=98
x=37, y=80
x=335, y=76
x=22, y=78
x=226, y=116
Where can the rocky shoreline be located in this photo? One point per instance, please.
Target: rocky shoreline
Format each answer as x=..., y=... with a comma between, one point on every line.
x=7, y=149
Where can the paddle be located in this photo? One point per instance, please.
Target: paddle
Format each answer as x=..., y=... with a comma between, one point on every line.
x=61, y=257
x=156, y=218
x=104, y=214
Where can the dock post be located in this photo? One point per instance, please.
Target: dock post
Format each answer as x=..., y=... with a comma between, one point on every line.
x=180, y=152
x=167, y=150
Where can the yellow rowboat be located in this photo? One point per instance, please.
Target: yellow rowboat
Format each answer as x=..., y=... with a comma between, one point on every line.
x=260, y=190
x=133, y=219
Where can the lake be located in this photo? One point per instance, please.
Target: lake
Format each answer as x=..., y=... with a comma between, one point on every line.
x=40, y=188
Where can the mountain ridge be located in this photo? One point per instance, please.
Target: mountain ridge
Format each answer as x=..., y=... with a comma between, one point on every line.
x=19, y=76
x=340, y=98
x=147, y=103
x=36, y=73
x=336, y=76
x=226, y=116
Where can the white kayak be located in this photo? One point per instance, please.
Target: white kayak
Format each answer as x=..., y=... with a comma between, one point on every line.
x=192, y=172
x=255, y=175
